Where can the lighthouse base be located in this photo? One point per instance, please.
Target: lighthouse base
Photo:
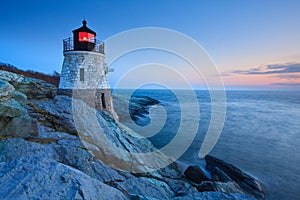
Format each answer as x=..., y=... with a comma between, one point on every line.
x=99, y=99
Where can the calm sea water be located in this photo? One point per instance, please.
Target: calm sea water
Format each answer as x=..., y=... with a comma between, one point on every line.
x=261, y=134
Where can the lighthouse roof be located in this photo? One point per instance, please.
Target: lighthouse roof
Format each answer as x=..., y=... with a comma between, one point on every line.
x=84, y=28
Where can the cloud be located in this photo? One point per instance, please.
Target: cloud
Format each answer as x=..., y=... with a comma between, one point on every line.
x=287, y=84
x=275, y=69
x=289, y=76
x=223, y=74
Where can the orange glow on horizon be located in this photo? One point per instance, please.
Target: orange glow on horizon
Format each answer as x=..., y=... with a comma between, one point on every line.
x=255, y=80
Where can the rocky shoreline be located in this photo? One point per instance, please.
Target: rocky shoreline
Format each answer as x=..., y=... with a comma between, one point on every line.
x=42, y=155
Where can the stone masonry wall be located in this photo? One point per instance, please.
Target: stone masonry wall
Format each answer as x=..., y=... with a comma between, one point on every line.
x=94, y=90
x=94, y=70
x=100, y=99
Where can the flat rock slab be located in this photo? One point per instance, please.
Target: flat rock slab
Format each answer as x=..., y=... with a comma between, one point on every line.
x=48, y=179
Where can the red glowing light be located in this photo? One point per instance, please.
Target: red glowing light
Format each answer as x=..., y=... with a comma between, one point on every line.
x=86, y=37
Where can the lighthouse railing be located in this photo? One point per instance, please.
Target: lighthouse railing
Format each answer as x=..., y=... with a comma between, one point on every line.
x=68, y=45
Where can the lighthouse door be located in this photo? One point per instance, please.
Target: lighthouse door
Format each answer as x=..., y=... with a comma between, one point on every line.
x=103, y=101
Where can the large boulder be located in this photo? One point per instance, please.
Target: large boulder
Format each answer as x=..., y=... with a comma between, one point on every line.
x=33, y=88
x=14, y=120
x=11, y=108
x=195, y=174
x=248, y=183
x=61, y=147
x=6, y=91
x=56, y=114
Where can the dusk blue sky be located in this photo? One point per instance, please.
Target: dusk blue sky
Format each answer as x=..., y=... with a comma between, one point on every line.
x=243, y=37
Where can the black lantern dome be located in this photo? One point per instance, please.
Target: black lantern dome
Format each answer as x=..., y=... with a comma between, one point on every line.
x=84, y=39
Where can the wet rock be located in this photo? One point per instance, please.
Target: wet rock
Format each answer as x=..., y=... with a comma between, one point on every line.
x=214, y=196
x=219, y=175
x=248, y=183
x=223, y=187
x=206, y=186
x=227, y=187
x=195, y=174
x=139, y=197
x=180, y=187
x=173, y=171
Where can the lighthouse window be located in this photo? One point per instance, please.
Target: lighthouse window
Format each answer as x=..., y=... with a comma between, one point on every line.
x=86, y=37
x=81, y=74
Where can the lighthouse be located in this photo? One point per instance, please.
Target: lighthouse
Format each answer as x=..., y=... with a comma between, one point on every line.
x=84, y=71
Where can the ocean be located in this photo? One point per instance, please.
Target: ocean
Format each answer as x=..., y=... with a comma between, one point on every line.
x=261, y=134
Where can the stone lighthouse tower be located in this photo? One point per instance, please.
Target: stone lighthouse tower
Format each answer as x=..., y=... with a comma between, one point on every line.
x=84, y=70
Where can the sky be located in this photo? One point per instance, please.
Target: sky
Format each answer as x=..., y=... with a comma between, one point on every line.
x=255, y=44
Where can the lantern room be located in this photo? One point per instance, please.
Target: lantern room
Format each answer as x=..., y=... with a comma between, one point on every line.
x=84, y=39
